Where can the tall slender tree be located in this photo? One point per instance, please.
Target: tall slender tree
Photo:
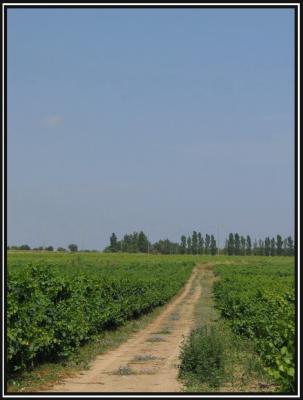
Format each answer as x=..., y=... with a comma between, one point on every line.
x=207, y=243
x=248, y=245
x=279, y=244
x=213, y=245
x=237, y=244
x=285, y=250
x=261, y=249
x=267, y=246
x=189, y=249
x=273, y=247
x=231, y=245
x=200, y=243
x=194, y=243
x=183, y=244
x=113, y=243
x=225, y=249
x=142, y=242
x=290, y=246
x=242, y=246
x=255, y=248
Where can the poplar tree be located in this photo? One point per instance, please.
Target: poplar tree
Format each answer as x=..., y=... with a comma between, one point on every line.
x=194, y=242
x=248, y=245
x=142, y=242
x=290, y=246
x=231, y=245
x=207, y=243
x=183, y=244
x=225, y=249
x=273, y=247
x=255, y=248
x=279, y=244
x=213, y=245
x=189, y=245
x=261, y=251
x=200, y=243
x=237, y=244
x=126, y=243
x=113, y=243
x=243, y=243
x=267, y=246
x=285, y=247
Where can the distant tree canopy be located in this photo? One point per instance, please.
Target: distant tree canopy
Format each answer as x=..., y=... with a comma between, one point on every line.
x=207, y=243
x=113, y=243
x=213, y=245
x=49, y=248
x=131, y=243
x=230, y=245
x=61, y=249
x=248, y=245
x=194, y=243
x=166, y=247
x=143, y=243
x=73, y=247
x=183, y=245
x=200, y=243
x=267, y=246
x=279, y=245
x=24, y=247
x=189, y=248
x=237, y=244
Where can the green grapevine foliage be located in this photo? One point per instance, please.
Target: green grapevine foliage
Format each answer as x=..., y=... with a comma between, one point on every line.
x=51, y=311
x=259, y=302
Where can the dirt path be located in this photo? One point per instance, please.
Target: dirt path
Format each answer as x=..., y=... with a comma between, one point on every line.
x=147, y=361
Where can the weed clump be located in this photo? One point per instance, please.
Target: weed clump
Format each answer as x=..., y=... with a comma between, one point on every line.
x=123, y=370
x=144, y=357
x=203, y=356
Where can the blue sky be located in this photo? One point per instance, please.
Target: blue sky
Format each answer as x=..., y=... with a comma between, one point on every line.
x=165, y=120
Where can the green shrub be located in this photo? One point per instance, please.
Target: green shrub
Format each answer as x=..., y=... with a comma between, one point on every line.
x=202, y=356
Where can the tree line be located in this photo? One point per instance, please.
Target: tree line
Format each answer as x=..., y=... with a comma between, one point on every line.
x=195, y=243
x=72, y=247
x=235, y=244
x=276, y=246
x=138, y=242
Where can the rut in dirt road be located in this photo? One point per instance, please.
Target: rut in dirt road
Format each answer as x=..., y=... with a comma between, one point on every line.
x=147, y=361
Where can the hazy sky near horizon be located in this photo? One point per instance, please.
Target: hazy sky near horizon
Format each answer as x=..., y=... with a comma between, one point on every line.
x=165, y=120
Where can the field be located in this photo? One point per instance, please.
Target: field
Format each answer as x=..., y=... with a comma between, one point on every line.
x=259, y=301
x=57, y=302
x=54, y=307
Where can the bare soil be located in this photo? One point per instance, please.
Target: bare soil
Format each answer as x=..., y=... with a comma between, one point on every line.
x=147, y=361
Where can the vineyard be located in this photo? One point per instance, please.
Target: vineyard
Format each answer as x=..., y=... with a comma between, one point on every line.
x=259, y=301
x=56, y=302
x=55, y=307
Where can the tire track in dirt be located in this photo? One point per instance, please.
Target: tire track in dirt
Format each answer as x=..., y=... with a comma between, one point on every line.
x=147, y=361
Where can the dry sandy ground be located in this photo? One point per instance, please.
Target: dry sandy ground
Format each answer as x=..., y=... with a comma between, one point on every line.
x=147, y=361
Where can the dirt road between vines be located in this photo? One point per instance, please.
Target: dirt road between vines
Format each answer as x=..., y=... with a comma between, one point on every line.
x=147, y=361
